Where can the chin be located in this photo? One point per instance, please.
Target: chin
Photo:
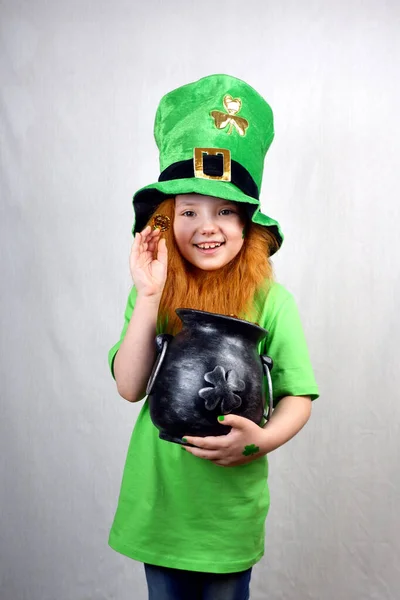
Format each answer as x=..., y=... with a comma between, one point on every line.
x=211, y=266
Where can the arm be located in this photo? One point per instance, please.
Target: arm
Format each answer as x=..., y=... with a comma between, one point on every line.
x=135, y=357
x=290, y=415
x=248, y=441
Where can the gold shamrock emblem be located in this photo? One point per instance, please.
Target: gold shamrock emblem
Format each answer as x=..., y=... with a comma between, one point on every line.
x=233, y=106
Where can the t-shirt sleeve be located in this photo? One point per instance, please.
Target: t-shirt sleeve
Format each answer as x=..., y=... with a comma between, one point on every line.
x=292, y=373
x=128, y=314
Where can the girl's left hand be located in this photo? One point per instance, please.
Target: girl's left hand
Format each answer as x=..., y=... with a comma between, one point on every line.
x=244, y=443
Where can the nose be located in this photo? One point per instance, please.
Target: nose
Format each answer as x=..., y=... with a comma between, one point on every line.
x=208, y=226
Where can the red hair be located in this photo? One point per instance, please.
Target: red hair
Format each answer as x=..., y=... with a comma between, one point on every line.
x=229, y=290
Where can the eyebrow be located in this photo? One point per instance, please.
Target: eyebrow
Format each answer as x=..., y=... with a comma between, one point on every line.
x=195, y=203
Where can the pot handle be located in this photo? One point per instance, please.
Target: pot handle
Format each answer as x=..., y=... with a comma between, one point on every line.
x=268, y=363
x=162, y=341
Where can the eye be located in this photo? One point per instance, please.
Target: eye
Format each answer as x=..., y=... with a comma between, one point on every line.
x=227, y=211
x=188, y=213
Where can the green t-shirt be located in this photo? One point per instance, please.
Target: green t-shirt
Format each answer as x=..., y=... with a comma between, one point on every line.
x=176, y=510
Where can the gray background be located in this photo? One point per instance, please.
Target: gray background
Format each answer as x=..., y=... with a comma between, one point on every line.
x=80, y=83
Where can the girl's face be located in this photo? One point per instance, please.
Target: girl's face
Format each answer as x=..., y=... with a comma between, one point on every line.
x=208, y=230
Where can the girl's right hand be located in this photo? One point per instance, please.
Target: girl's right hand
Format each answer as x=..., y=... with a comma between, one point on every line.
x=148, y=262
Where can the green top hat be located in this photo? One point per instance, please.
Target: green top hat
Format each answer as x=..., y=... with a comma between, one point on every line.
x=213, y=136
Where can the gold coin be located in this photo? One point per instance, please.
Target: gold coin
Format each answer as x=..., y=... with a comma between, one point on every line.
x=161, y=222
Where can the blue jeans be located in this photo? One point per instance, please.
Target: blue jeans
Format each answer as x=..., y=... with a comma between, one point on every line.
x=174, y=584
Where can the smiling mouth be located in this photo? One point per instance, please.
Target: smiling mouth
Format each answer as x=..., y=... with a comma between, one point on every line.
x=209, y=245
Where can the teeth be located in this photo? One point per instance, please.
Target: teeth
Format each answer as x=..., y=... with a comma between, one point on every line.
x=207, y=246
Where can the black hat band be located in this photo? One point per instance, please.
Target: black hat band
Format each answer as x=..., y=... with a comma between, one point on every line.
x=213, y=165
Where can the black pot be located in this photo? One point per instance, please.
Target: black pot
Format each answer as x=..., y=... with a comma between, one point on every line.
x=210, y=368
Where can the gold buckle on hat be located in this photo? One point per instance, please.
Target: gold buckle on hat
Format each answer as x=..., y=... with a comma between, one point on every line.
x=199, y=167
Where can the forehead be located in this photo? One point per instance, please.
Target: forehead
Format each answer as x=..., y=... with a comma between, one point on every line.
x=195, y=199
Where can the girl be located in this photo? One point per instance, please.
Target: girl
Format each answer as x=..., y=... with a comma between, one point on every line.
x=194, y=515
